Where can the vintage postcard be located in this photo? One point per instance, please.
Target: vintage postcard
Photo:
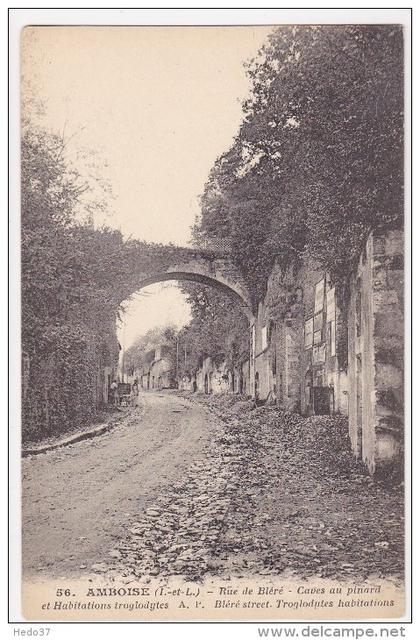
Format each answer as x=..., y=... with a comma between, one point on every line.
x=212, y=321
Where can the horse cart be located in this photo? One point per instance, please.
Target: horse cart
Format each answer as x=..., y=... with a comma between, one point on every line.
x=124, y=394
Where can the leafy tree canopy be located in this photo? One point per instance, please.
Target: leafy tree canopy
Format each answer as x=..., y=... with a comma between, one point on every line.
x=141, y=353
x=318, y=160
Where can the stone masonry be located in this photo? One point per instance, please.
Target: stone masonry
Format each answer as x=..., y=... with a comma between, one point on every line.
x=318, y=347
x=376, y=352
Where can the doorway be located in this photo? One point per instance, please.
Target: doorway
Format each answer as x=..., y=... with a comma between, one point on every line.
x=321, y=401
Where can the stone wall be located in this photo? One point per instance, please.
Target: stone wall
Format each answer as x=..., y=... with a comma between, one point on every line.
x=318, y=347
x=376, y=352
x=161, y=374
x=262, y=381
x=211, y=378
x=296, y=351
x=241, y=381
x=324, y=376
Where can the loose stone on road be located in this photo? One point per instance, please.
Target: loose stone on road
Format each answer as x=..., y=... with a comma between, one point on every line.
x=79, y=501
x=211, y=487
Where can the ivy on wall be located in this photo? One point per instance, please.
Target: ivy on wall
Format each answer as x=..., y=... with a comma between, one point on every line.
x=69, y=297
x=75, y=281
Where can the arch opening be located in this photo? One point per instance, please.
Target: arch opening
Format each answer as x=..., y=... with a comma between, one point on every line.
x=233, y=290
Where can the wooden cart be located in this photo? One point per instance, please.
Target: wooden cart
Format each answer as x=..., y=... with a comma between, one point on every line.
x=124, y=393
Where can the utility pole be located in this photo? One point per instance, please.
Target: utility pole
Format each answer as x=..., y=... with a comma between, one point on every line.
x=123, y=354
x=177, y=356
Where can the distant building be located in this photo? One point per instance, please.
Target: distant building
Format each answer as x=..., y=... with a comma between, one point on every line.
x=160, y=374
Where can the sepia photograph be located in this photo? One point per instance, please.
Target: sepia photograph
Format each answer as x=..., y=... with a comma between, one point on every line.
x=212, y=242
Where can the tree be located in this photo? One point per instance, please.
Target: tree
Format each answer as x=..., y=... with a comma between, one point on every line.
x=141, y=353
x=217, y=329
x=318, y=160
x=70, y=291
x=316, y=165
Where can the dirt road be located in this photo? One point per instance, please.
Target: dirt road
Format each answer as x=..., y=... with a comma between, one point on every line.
x=211, y=486
x=80, y=500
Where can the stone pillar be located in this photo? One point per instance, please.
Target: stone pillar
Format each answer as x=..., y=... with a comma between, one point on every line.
x=388, y=309
x=252, y=347
x=376, y=352
x=289, y=361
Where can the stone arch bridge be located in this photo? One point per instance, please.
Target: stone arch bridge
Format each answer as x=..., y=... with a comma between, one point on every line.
x=206, y=267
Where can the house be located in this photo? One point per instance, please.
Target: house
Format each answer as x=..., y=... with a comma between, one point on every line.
x=160, y=373
x=324, y=347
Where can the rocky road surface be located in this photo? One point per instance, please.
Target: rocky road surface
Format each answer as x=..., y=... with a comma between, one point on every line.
x=78, y=501
x=213, y=487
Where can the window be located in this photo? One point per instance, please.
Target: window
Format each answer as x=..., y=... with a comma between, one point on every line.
x=309, y=333
x=317, y=337
x=331, y=305
x=332, y=338
x=318, y=354
x=318, y=322
x=263, y=338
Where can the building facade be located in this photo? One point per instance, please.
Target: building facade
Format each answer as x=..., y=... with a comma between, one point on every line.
x=317, y=347
x=161, y=373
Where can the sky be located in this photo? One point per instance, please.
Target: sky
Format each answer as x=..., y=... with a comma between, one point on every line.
x=157, y=105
